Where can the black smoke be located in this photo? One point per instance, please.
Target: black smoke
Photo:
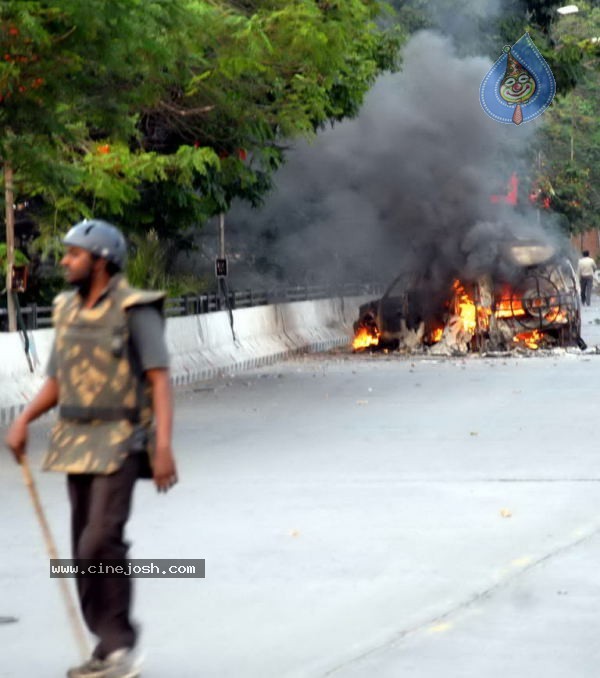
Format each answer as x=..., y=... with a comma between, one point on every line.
x=405, y=187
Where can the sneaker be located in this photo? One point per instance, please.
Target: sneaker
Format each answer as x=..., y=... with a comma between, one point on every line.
x=122, y=664
x=92, y=668
x=118, y=664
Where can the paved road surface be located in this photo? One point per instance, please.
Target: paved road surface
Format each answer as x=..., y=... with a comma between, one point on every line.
x=359, y=516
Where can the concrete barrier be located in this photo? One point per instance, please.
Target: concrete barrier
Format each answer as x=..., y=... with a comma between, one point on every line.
x=201, y=346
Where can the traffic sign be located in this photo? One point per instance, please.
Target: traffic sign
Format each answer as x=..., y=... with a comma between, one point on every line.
x=221, y=267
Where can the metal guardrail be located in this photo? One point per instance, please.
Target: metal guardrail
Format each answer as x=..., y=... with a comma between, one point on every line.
x=38, y=317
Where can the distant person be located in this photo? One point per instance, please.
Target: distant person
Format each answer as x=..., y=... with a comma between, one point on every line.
x=585, y=270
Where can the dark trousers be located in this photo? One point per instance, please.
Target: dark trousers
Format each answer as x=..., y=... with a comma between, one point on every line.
x=100, y=506
x=587, y=283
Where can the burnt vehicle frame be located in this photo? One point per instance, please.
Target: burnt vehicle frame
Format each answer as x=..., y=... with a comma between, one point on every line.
x=539, y=291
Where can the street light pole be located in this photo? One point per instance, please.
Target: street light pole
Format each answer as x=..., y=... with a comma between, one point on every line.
x=570, y=9
x=9, y=198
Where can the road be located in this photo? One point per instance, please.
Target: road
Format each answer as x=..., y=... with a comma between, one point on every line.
x=360, y=516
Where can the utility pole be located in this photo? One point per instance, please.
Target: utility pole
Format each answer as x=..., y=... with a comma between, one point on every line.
x=539, y=168
x=9, y=199
x=221, y=261
x=222, y=235
x=222, y=274
x=572, y=146
x=572, y=128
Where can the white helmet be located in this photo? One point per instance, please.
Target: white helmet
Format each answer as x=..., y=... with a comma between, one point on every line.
x=100, y=238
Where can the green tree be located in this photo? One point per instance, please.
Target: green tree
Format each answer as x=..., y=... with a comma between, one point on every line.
x=568, y=148
x=479, y=31
x=73, y=80
x=146, y=110
x=270, y=71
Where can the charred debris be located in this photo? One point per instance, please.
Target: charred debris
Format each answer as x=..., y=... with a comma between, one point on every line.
x=528, y=300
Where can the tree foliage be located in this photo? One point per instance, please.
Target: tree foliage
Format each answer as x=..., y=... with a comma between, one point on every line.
x=73, y=81
x=477, y=30
x=140, y=109
x=272, y=70
x=569, y=145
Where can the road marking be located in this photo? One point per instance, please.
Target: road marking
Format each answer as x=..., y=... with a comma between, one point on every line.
x=440, y=628
x=522, y=562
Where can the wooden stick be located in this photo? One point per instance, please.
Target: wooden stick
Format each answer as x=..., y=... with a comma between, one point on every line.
x=72, y=612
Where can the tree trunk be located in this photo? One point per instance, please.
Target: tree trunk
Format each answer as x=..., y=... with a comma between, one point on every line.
x=10, y=244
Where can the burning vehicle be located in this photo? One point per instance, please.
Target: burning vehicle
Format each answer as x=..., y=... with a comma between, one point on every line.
x=531, y=299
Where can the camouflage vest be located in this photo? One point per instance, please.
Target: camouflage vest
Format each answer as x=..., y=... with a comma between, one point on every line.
x=103, y=400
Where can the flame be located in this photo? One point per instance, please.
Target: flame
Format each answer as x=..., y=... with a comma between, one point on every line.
x=466, y=307
x=561, y=317
x=530, y=339
x=475, y=317
x=507, y=305
x=483, y=316
x=509, y=308
x=365, y=338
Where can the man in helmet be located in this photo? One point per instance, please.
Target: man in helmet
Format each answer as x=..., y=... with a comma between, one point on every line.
x=108, y=374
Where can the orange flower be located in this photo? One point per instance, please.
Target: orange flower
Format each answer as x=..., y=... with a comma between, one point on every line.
x=104, y=149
